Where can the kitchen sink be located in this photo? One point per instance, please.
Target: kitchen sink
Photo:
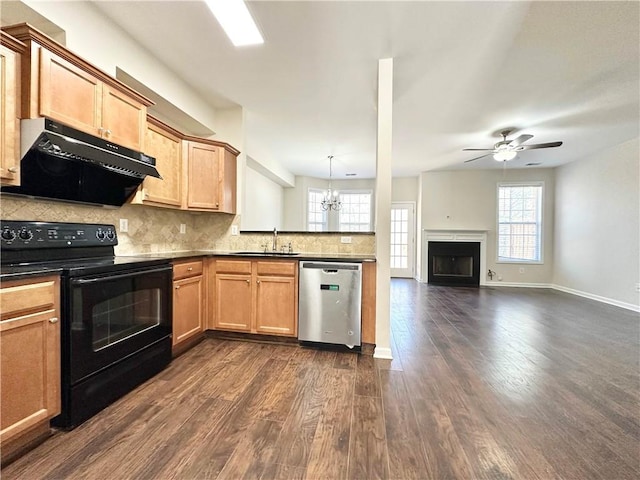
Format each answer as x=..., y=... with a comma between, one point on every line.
x=267, y=254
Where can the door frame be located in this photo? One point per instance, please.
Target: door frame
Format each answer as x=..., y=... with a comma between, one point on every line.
x=410, y=271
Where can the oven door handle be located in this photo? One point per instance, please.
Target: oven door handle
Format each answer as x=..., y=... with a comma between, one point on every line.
x=104, y=278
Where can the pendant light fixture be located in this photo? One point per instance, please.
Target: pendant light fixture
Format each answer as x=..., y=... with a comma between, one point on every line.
x=331, y=200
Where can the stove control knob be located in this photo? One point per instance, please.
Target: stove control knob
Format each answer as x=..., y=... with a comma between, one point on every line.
x=8, y=235
x=111, y=235
x=25, y=234
x=100, y=235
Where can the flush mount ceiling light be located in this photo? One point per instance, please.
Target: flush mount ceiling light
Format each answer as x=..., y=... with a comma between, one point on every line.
x=235, y=19
x=504, y=154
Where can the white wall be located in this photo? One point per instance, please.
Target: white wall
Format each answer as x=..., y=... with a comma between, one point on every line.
x=597, y=224
x=467, y=200
x=264, y=200
x=404, y=189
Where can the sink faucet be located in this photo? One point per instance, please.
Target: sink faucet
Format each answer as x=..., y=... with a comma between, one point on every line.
x=274, y=246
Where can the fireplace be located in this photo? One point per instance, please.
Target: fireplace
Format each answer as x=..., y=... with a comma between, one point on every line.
x=454, y=263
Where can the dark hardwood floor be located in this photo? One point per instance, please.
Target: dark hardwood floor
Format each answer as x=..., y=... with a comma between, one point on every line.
x=485, y=383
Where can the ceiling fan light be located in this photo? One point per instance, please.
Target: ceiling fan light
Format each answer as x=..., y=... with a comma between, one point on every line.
x=504, y=155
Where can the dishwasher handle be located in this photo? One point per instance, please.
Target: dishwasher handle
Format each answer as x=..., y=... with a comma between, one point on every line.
x=331, y=267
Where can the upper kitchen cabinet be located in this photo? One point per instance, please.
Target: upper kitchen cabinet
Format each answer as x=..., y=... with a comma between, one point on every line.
x=10, y=57
x=60, y=85
x=165, y=145
x=209, y=172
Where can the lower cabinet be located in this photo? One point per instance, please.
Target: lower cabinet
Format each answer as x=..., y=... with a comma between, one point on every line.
x=256, y=296
x=188, y=302
x=30, y=360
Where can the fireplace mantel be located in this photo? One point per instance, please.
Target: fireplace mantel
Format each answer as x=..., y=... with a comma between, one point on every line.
x=457, y=235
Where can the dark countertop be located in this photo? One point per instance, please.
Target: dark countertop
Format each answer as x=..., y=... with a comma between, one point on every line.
x=327, y=257
x=18, y=272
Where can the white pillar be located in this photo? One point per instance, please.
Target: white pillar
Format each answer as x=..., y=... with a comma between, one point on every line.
x=383, y=207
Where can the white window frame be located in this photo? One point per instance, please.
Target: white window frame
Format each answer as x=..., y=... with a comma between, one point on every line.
x=357, y=192
x=325, y=217
x=540, y=184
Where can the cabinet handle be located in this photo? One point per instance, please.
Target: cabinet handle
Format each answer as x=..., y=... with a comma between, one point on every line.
x=189, y=269
x=248, y=281
x=145, y=194
x=257, y=281
x=100, y=130
x=12, y=169
x=53, y=320
x=107, y=132
x=177, y=287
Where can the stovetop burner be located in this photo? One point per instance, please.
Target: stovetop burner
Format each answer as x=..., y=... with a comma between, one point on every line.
x=72, y=248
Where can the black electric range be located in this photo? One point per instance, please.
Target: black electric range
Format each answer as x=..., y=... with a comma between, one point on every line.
x=116, y=312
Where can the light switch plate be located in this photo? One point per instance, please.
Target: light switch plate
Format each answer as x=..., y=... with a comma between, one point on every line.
x=124, y=225
x=345, y=239
x=183, y=228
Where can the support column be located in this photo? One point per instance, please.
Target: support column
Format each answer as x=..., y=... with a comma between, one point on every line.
x=383, y=207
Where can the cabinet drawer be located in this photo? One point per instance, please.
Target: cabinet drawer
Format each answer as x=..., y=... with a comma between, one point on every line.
x=233, y=266
x=275, y=267
x=17, y=299
x=187, y=269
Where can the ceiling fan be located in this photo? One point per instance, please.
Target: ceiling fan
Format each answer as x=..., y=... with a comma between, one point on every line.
x=506, y=150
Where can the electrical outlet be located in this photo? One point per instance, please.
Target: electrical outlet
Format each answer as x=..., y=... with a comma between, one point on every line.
x=345, y=239
x=521, y=270
x=637, y=287
x=124, y=225
x=183, y=228
x=234, y=229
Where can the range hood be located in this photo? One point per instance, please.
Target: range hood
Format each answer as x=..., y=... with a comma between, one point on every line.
x=62, y=163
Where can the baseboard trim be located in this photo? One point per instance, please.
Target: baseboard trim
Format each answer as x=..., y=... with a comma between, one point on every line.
x=516, y=284
x=383, y=352
x=597, y=298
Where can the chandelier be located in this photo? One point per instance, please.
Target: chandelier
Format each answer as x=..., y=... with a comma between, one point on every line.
x=330, y=200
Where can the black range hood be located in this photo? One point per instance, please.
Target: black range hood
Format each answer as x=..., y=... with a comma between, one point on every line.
x=62, y=163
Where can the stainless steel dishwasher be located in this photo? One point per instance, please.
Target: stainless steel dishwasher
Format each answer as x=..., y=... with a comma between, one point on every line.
x=330, y=302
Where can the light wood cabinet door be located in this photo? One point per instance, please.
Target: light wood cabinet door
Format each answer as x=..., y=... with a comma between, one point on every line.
x=166, y=148
x=30, y=355
x=9, y=117
x=256, y=296
x=188, y=297
x=69, y=94
x=203, y=176
x=234, y=303
x=124, y=119
x=276, y=305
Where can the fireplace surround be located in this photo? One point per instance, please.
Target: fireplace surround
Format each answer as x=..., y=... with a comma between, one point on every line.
x=453, y=236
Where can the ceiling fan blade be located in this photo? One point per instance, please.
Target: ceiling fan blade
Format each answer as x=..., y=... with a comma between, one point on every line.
x=540, y=145
x=478, y=158
x=477, y=149
x=519, y=141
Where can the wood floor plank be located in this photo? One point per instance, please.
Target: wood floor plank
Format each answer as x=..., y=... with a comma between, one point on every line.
x=368, y=455
x=327, y=457
x=253, y=450
x=407, y=456
x=367, y=378
x=294, y=444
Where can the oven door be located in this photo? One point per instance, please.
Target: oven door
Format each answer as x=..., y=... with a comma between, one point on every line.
x=112, y=316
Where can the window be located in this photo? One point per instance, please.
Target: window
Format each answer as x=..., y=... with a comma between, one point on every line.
x=520, y=222
x=316, y=216
x=355, y=214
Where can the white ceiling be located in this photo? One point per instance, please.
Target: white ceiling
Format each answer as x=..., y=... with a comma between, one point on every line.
x=463, y=71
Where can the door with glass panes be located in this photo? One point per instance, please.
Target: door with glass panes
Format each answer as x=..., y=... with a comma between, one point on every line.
x=403, y=239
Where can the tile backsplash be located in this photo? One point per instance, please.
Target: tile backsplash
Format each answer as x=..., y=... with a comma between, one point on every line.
x=158, y=229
